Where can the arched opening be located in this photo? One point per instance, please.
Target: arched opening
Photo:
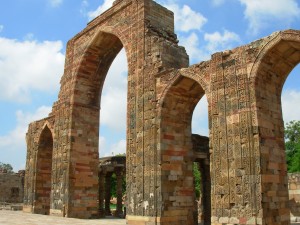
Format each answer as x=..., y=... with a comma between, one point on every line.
x=180, y=149
x=290, y=100
x=43, y=173
x=275, y=66
x=112, y=140
x=201, y=168
x=97, y=61
x=112, y=136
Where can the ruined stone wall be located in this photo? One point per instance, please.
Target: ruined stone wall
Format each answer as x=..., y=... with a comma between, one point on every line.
x=33, y=138
x=243, y=89
x=146, y=31
x=294, y=196
x=11, y=187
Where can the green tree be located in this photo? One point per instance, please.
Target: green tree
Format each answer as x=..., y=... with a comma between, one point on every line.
x=7, y=167
x=114, y=185
x=197, y=176
x=292, y=145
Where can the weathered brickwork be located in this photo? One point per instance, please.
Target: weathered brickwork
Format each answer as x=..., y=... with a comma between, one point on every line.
x=294, y=195
x=11, y=187
x=243, y=88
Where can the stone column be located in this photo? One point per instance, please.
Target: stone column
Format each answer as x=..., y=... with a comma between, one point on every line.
x=119, y=211
x=101, y=195
x=107, y=194
x=206, y=191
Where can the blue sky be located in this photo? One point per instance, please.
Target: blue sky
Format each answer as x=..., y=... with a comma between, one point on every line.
x=33, y=37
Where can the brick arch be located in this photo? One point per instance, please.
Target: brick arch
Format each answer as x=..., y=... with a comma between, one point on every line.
x=279, y=46
x=85, y=97
x=47, y=125
x=146, y=30
x=272, y=66
x=41, y=203
x=200, y=74
x=93, y=68
x=176, y=149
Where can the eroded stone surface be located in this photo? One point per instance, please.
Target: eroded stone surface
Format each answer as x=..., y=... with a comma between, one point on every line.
x=11, y=187
x=243, y=88
x=294, y=196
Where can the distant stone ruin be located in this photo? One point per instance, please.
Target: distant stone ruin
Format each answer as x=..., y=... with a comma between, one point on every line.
x=107, y=167
x=294, y=193
x=11, y=187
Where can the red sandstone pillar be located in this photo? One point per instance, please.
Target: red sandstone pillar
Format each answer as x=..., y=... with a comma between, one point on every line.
x=119, y=211
x=107, y=194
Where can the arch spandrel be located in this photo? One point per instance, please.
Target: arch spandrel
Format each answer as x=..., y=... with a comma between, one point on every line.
x=292, y=37
x=200, y=73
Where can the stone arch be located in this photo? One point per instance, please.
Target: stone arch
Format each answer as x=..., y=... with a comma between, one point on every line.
x=94, y=65
x=47, y=125
x=176, y=149
x=41, y=204
x=146, y=30
x=271, y=68
x=86, y=97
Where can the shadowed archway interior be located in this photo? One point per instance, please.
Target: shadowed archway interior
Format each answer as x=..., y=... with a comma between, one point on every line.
x=43, y=175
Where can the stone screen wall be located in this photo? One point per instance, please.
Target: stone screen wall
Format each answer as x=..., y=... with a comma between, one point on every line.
x=11, y=187
x=294, y=194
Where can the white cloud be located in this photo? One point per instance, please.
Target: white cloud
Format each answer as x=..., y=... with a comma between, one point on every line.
x=55, y=3
x=218, y=2
x=290, y=105
x=217, y=41
x=106, y=5
x=113, y=109
x=29, y=37
x=214, y=42
x=102, y=144
x=114, y=95
x=13, y=143
x=200, y=118
x=186, y=19
x=193, y=49
x=114, y=149
x=84, y=5
x=29, y=65
x=1, y=28
x=260, y=13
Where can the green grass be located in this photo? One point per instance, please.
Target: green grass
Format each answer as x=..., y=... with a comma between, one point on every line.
x=113, y=206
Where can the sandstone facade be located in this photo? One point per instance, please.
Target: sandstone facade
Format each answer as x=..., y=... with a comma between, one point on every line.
x=243, y=88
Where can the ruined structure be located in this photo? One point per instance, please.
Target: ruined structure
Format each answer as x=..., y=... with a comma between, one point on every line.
x=243, y=89
x=294, y=193
x=11, y=187
x=107, y=167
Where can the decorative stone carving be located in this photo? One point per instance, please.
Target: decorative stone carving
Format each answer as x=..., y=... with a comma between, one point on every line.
x=243, y=89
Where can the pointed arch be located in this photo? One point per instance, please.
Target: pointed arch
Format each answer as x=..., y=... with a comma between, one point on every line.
x=271, y=68
x=41, y=204
x=176, y=147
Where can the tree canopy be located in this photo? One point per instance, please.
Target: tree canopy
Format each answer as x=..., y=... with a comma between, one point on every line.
x=7, y=167
x=292, y=145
